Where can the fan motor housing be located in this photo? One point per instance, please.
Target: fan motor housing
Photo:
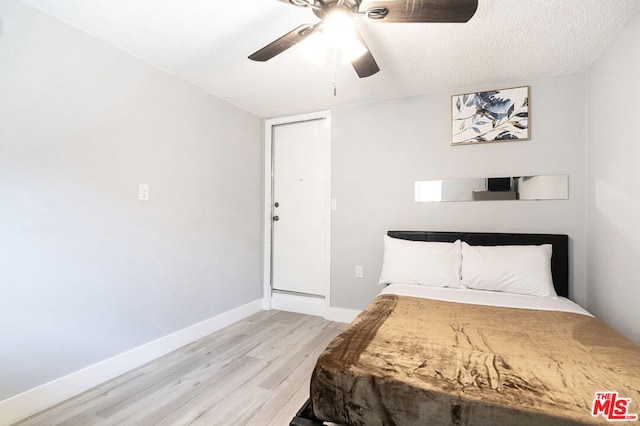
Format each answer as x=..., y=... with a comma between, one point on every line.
x=325, y=7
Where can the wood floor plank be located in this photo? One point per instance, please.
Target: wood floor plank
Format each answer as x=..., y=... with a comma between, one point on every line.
x=187, y=372
x=282, y=368
x=203, y=396
x=254, y=372
x=287, y=398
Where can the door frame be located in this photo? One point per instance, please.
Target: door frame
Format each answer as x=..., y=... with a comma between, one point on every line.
x=294, y=302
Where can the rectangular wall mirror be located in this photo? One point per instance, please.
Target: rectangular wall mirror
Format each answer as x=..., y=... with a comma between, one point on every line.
x=538, y=187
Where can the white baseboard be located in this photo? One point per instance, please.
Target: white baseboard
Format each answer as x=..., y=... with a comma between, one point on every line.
x=309, y=305
x=342, y=315
x=37, y=399
x=298, y=303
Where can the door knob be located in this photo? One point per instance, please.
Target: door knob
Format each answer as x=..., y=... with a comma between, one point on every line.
x=276, y=218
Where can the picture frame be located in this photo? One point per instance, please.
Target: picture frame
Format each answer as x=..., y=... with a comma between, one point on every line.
x=491, y=116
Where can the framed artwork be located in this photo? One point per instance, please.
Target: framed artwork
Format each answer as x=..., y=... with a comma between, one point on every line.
x=492, y=116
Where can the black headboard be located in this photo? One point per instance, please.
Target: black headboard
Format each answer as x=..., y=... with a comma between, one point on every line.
x=560, y=244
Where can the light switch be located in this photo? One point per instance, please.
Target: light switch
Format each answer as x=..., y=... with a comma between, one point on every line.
x=143, y=192
x=334, y=204
x=359, y=271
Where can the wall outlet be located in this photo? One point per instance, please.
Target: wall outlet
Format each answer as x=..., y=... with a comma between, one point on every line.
x=359, y=271
x=143, y=192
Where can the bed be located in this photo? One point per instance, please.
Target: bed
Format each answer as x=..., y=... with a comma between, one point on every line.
x=434, y=354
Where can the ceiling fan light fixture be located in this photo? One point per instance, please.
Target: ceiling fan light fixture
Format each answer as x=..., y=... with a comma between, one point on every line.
x=339, y=34
x=337, y=28
x=314, y=49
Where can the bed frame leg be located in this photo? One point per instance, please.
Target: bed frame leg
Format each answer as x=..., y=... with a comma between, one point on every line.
x=305, y=417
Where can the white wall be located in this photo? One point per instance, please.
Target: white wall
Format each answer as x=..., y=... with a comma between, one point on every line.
x=86, y=270
x=380, y=149
x=614, y=183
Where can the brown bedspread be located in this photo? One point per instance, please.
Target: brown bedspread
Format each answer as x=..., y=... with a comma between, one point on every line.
x=408, y=361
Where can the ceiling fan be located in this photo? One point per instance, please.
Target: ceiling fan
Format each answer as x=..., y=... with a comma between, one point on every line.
x=402, y=11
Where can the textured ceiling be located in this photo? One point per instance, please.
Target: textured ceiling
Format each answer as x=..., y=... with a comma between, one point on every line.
x=206, y=42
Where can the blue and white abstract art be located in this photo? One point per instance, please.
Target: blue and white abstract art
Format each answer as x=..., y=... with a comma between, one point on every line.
x=492, y=116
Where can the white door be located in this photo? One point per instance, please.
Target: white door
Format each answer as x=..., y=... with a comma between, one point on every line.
x=300, y=207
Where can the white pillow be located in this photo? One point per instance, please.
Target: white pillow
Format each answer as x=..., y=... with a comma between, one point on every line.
x=421, y=262
x=511, y=269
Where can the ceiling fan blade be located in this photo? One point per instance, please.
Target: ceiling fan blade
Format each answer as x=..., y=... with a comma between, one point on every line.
x=420, y=10
x=365, y=65
x=283, y=43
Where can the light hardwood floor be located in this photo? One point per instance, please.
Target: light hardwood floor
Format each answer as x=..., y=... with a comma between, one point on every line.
x=254, y=372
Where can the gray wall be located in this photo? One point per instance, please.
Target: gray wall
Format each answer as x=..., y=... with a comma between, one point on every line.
x=86, y=270
x=614, y=183
x=380, y=149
